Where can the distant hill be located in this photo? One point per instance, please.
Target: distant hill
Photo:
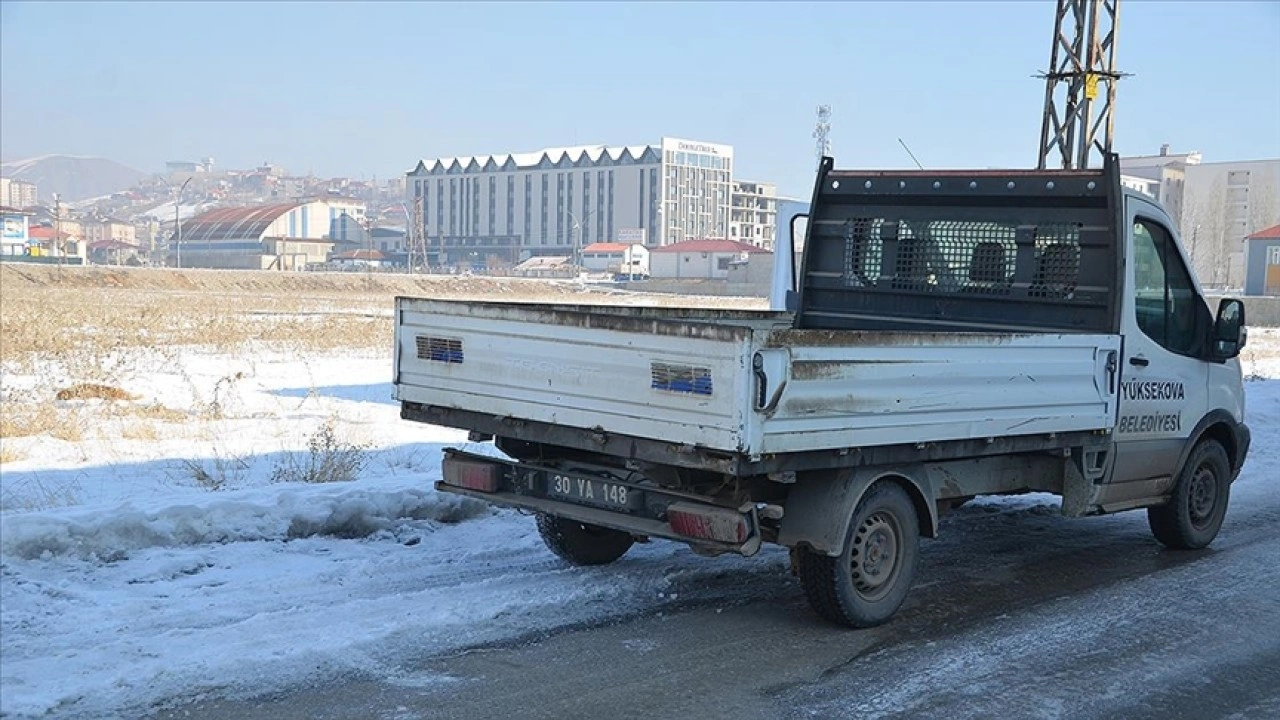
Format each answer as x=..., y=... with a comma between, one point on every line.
x=75, y=178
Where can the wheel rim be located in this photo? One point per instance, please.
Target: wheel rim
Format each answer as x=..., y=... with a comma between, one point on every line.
x=876, y=556
x=1203, y=496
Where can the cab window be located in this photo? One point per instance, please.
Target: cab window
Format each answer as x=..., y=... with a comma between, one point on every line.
x=1168, y=308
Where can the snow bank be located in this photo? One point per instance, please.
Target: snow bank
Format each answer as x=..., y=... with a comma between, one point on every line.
x=112, y=534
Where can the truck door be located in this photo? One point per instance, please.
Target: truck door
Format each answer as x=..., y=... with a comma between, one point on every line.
x=1163, y=373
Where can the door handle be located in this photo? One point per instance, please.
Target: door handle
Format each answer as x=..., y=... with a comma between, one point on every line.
x=1139, y=361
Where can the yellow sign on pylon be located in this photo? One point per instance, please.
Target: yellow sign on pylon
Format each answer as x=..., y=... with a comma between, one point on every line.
x=1091, y=86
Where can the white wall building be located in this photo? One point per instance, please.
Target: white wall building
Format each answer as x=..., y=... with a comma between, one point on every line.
x=1167, y=170
x=509, y=207
x=753, y=213
x=1223, y=204
x=619, y=258
x=699, y=259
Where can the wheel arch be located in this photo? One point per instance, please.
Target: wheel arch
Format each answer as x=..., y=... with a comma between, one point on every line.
x=820, y=506
x=1217, y=425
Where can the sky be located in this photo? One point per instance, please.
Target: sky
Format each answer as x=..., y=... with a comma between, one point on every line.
x=366, y=89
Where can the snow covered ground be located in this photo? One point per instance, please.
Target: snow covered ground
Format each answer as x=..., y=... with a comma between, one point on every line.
x=169, y=547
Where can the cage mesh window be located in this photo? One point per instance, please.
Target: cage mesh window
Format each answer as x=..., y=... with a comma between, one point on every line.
x=1057, y=266
x=863, y=251
x=951, y=256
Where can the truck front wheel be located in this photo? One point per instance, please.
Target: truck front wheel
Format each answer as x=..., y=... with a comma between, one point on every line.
x=1192, y=517
x=866, y=584
x=581, y=543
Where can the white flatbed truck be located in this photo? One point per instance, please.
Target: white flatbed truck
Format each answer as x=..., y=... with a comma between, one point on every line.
x=947, y=335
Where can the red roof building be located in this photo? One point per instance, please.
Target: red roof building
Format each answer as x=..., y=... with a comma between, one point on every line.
x=710, y=245
x=1262, y=262
x=1271, y=233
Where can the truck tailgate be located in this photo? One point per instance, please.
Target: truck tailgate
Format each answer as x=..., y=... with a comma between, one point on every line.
x=664, y=374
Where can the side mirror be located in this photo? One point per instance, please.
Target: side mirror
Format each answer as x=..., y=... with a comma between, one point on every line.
x=1229, y=333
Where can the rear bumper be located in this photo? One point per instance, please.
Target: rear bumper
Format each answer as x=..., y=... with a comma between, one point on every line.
x=525, y=486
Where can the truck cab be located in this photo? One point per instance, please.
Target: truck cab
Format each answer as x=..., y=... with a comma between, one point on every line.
x=1180, y=380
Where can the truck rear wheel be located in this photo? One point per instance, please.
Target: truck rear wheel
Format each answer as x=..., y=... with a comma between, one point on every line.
x=1192, y=517
x=580, y=543
x=866, y=584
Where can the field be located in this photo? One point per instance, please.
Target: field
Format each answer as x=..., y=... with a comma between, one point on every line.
x=205, y=488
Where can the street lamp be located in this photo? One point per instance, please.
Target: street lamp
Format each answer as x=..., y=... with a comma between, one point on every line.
x=577, y=239
x=177, y=219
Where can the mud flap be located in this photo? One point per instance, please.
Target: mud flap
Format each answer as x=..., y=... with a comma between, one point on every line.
x=1082, y=479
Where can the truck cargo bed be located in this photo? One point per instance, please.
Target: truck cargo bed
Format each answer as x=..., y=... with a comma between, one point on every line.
x=745, y=382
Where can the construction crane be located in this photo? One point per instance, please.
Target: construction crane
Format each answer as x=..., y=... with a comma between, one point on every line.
x=1080, y=86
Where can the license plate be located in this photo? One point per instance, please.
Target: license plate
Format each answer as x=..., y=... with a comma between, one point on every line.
x=592, y=491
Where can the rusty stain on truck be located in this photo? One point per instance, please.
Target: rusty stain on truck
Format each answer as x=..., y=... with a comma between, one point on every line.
x=669, y=322
x=854, y=338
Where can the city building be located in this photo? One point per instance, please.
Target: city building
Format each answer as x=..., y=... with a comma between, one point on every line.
x=185, y=167
x=285, y=236
x=617, y=258
x=359, y=258
x=699, y=259
x=1262, y=263
x=1213, y=204
x=115, y=252
x=347, y=220
x=1164, y=175
x=291, y=188
x=753, y=213
x=18, y=194
x=109, y=230
x=51, y=243
x=509, y=207
x=1223, y=203
x=1143, y=185
x=15, y=238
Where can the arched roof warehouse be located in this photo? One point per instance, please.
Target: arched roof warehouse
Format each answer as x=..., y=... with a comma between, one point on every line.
x=239, y=223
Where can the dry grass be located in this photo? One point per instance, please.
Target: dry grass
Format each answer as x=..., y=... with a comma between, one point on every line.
x=33, y=494
x=154, y=411
x=329, y=458
x=94, y=391
x=140, y=431
x=26, y=419
x=8, y=453
x=90, y=333
x=82, y=318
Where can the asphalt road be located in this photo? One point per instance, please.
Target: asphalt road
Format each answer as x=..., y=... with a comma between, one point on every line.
x=1015, y=613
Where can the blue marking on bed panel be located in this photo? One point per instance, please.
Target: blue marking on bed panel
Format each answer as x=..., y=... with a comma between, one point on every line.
x=685, y=379
x=445, y=350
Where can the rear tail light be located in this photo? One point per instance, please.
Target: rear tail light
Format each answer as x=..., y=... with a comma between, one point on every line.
x=706, y=523
x=472, y=475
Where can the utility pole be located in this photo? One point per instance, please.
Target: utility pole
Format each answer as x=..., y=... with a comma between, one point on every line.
x=57, y=225
x=177, y=221
x=822, y=133
x=1078, y=114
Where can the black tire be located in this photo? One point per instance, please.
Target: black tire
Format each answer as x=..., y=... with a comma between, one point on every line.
x=845, y=590
x=580, y=543
x=1193, y=516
